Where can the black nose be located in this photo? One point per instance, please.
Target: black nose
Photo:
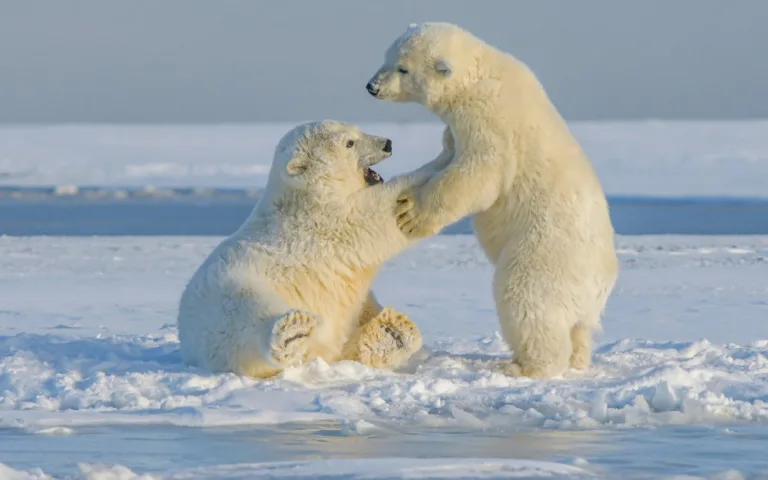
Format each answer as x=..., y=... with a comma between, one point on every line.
x=388, y=146
x=372, y=89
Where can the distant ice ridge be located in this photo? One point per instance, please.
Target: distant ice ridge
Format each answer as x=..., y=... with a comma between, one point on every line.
x=148, y=192
x=723, y=158
x=151, y=192
x=380, y=468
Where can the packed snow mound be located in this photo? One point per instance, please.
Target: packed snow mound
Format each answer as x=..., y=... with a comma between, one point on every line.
x=48, y=382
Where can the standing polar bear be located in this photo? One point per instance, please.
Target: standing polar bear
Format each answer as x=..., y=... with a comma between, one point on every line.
x=293, y=283
x=510, y=161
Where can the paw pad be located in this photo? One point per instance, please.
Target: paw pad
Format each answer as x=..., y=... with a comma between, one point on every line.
x=395, y=334
x=290, y=338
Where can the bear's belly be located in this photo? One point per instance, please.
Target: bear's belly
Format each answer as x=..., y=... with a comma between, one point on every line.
x=494, y=229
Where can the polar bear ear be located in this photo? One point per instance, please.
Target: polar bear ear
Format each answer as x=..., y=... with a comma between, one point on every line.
x=298, y=164
x=443, y=67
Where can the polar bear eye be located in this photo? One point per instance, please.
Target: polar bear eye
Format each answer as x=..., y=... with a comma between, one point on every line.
x=350, y=143
x=402, y=70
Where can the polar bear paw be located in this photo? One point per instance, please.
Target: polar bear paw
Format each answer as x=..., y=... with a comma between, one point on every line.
x=289, y=341
x=388, y=340
x=410, y=218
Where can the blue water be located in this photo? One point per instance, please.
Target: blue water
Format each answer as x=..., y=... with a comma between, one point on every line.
x=221, y=215
x=635, y=453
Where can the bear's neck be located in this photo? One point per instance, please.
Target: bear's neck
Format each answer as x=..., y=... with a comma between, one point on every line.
x=290, y=209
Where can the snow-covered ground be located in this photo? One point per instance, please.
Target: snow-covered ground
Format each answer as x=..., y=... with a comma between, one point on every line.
x=631, y=158
x=90, y=373
x=92, y=386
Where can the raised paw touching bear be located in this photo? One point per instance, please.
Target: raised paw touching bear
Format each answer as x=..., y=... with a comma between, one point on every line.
x=410, y=216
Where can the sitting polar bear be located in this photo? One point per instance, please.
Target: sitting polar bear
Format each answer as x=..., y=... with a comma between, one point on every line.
x=293, y=283
x=509, y=160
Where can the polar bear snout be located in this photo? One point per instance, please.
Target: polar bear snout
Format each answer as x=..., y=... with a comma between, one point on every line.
x=374, y=149
x=381, y=148
x=373, y=88
x=389, y=83
x=377, y=85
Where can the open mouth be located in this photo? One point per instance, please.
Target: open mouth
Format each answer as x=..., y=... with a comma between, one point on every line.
x=372, y=178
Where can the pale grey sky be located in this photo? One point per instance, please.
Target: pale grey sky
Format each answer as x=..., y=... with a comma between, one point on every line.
x=293, y=60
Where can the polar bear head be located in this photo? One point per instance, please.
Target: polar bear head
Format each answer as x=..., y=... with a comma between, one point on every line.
x=328, y=158
x=428, y=64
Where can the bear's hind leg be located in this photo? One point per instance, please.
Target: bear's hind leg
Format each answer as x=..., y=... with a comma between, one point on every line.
x=386, y=341
x=541, y=352
x=289, y=338
x=535, y=315
x=540, y=337
x=371, y=308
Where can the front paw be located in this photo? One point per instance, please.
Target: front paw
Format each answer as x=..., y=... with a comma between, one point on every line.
x=404, y=211
x=410, y=219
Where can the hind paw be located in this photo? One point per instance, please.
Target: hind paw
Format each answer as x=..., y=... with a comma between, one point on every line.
x=289, y=341
x=388, y=340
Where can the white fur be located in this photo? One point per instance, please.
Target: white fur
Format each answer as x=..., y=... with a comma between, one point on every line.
x=510, y=161
x=294, y=281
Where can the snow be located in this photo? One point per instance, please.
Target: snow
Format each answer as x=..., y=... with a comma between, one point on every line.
x=92, y=385
x=88, y=339
x=649, y=158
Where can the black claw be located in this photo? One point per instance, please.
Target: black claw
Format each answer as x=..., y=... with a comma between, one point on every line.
x=296, y=337
x=396, y=336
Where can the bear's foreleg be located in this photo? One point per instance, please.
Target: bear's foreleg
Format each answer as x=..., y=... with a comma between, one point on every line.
x=469, y=184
